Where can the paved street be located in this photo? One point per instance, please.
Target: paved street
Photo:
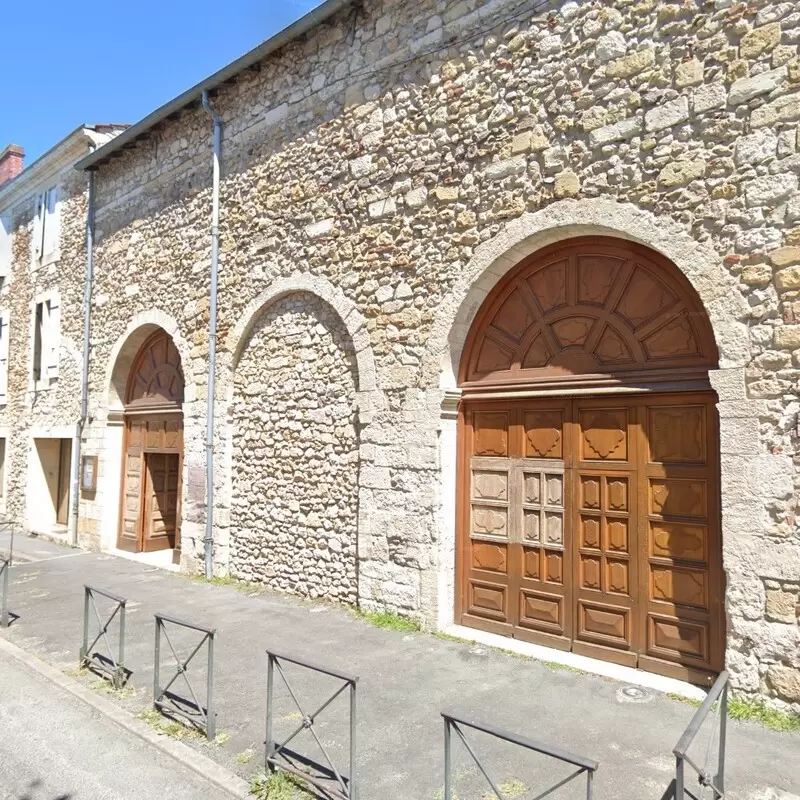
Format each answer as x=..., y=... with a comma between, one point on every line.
x=405, y=681
x=55, y=747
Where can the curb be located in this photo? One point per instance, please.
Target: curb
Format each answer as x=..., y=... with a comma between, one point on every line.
x=205, y=767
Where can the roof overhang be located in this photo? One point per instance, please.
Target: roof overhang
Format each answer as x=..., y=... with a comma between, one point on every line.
x=193, y=96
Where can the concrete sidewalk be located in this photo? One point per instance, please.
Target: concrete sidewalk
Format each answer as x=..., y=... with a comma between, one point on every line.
x=405, y=681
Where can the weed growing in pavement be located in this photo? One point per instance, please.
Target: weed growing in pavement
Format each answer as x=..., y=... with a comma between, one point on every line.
x=509, y=789
x=75, y=672
x=171, y=728
x=106, y=687
x=754, y=711
x=392, y=622
x=690, y=701
x=245, y=757
x=278, y=786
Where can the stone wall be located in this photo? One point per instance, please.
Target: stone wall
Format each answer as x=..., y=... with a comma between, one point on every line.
x=294, y=502
x=410, y=152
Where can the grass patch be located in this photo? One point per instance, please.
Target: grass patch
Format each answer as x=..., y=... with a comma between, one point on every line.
x=448, y=637
x=556, y=667
x=245, y=757
x=171, y=728
x=755, y=711
x=106, y=687
x=681, y=699
x=277, y=786
x=509, y=789
x=392, y=622
x=76, y=672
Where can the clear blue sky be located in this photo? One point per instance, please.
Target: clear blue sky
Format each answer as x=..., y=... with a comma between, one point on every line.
x=64, y=63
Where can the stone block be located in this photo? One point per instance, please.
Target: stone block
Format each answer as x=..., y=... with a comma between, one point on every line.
x=782, y=605
x=784, y=109
x=785, y=256
x=516, y=165
x=679, y=173
x=446, y=194
x=748, y=88
x=619, y=131
x=760, y=40
x=688, y=73
x=594, y=118
x=705, y=98
x=382, y=208
x=567, y=184
x=609, y=46
x=755, y=148
x=318, y=229
x=361, y=167
x=667, y=115
x=770, y=189
x=788, y=279
x=759, y=275
x=785, y=682
x=631, y=65
x=787, y=337
x=417, y=197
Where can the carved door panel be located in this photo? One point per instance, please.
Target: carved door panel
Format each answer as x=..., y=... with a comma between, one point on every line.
x=486, y=589
x=161, y=501
x=130, y=523
x=605, y=574
x=540, y=553
x=682, y=583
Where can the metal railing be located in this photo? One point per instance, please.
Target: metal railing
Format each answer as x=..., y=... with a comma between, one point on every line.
x=453, y=723
x=104, y=663
x=7, y=526
x=170, y=703
x=278, y=756
x=715, y=782
x=4, y=565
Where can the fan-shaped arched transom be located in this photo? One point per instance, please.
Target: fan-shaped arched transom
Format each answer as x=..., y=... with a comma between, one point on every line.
x=156, y=379
x=589, y=306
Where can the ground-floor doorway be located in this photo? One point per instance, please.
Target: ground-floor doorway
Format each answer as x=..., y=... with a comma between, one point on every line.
x=593, y=525
x=49, y=481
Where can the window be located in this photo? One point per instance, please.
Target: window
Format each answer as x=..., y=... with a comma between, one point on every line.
x=46, y=339
x=5, y=246
x=46, y=227
x=4, y=332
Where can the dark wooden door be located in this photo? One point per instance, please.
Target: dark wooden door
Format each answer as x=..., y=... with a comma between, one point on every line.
x=162, y=480
x=593, y=525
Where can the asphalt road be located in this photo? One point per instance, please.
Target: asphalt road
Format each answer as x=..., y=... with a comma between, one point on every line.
x=53, y=747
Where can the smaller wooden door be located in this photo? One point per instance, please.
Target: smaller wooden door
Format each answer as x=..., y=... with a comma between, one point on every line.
x=159, y=520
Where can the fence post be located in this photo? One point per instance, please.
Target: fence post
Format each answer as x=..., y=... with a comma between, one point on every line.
x=211, y=717
x=119, y=678
x=157, y=659
x=723, y=731
x=270, y=686
x=679, y=794
x=4, y=594
x=352, y=786
x=447, y=787
x=85, y=644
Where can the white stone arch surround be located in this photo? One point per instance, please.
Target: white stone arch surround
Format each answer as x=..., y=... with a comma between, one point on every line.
x=743, y=458
x=111, y=404
x=351, y=317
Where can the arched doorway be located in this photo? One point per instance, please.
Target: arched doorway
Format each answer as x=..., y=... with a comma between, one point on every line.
x=152, y=459
x=588, y=488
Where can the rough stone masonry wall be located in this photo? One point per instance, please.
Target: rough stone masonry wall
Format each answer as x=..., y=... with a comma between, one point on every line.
x=28, y=412
x=295, y=449
x=385, y=152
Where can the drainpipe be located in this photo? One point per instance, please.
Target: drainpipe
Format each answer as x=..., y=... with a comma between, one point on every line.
x=87, y=314
x=212, y=339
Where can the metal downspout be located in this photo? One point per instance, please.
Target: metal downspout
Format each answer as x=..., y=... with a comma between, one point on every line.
x=87, y=320
x=208, y=540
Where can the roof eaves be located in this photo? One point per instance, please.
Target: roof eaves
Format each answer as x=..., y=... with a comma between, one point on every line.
x=193, y=95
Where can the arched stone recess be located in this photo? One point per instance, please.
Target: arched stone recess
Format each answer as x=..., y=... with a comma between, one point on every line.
x=108, y=414
x=294, y=443
x=745, y=517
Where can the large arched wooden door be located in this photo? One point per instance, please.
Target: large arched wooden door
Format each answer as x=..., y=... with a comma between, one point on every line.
x=153, y=449
x=589, y=516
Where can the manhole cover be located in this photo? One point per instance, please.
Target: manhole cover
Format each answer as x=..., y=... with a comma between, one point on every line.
x=478, y=651
x=633, y=694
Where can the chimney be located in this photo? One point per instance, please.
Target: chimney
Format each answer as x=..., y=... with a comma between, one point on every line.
x=11, y=162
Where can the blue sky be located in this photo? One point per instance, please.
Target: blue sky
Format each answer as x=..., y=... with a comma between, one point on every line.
x=114, y=61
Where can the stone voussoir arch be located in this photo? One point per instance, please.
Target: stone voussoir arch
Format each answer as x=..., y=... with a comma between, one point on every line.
x=346, y=309
x=126, y=347
x=568, y=219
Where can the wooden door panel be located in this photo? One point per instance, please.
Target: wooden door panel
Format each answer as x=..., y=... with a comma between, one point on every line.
x=161, y=474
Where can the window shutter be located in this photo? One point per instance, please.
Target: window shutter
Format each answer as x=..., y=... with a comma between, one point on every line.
x=4, y=334
x=5, y=245
x=52, y=222
x=53, y=337
x=38, y=227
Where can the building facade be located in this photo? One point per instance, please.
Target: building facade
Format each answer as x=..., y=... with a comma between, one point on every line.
x=508, y=326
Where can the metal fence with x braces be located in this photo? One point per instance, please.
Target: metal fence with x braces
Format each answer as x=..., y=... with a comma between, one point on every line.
x=105, y=663
x=279, y=756
x=168, y=702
